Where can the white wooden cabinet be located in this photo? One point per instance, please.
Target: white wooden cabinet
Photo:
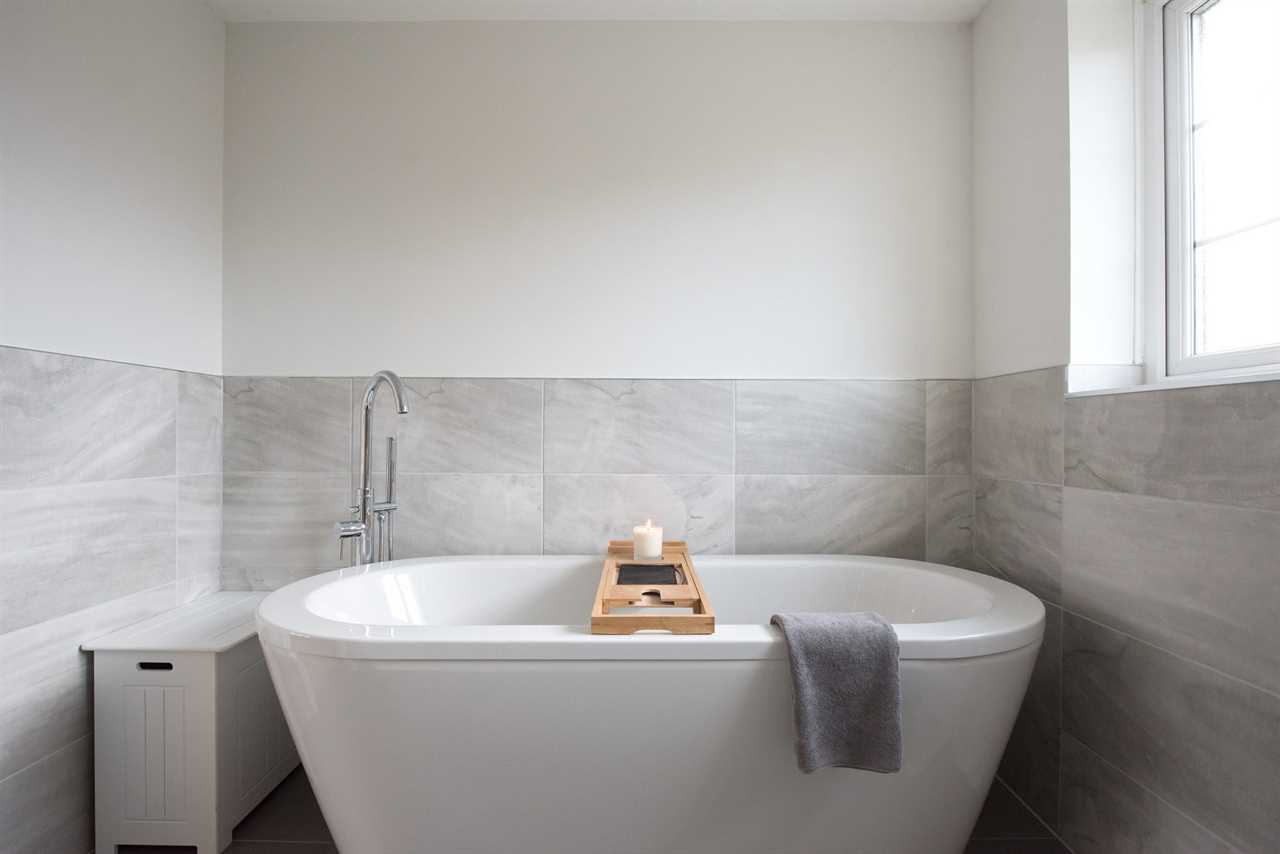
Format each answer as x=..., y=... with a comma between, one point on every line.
x=188, y=733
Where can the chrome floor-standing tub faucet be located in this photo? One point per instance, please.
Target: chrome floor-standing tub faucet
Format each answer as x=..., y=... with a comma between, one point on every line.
x=366, y=512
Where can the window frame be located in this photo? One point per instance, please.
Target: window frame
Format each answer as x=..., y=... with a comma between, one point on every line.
x=1181, y=360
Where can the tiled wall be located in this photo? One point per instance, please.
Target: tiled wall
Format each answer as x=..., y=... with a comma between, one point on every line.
x=493, y=466
x=110, y=511
x=1150, y=524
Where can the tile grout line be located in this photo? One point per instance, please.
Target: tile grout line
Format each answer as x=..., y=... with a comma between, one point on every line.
x=78, y=483
x=542, y=471
x=733, y=466
x=973, y=480
x=1172, y=654
x=980, y=476
x=70, y=614
x=105, y=360
x=1198, y=502
x=46, y=757
x=177, y=490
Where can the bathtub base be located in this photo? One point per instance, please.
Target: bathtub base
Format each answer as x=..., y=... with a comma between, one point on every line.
x=631, y=757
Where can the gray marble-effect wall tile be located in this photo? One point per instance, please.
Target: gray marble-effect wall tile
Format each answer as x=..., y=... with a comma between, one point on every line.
x=45, y=704
x=453, y=514
x=948, y=426
x=1205, y=742
x=286, y=424
x=1105, y=812
x=830, y=427
x=456, y=426
x=1030, y=762
x=1018, y=426
x=949, y=521
x=199, y=531
x=66, y=419
x=266, y=577
x=70, y=547
x=1017, y=533
x=779, y=514
x=47, y=808
x=280, y=526
x=639, y=427
x=584, y=512
x=199, y=424
x=1202, y=580
x=1218, y=443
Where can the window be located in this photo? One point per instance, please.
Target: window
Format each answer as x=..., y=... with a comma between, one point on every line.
x=1222, y=139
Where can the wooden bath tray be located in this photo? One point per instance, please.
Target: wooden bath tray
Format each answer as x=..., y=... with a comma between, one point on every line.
x=621, y=609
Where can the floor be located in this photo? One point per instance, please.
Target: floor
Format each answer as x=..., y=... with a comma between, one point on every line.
x=289, y=822
x=1008, y=827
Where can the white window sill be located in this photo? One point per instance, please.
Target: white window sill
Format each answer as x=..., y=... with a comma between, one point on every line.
x=1250, y=375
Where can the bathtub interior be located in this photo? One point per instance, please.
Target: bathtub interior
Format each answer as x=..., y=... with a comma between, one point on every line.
x=559, y=592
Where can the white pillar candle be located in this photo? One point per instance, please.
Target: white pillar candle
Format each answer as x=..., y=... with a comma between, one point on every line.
x=646, y=541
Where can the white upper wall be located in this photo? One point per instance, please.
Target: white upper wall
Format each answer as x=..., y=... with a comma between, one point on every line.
x=1021, y=212
x=595, y=10
x=1104, y=303
x=111, y=180
x=595, y=199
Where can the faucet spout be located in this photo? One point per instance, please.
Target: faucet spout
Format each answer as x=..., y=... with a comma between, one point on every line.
x=394, y=383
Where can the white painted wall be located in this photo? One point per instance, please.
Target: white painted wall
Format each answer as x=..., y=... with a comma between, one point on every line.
x=1021, y=212
x=111, y=180
x=1104, y=303
x=640, y=199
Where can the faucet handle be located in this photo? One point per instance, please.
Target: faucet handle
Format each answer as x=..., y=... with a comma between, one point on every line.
x=347, y=531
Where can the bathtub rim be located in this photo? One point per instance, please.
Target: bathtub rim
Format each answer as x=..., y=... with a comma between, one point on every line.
x=1015, y=620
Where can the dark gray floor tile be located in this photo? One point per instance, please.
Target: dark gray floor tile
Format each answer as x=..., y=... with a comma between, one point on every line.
x=281, y=848
x=289, y=814
x=237, y=847
x=1016, y=846
x=1005, y=817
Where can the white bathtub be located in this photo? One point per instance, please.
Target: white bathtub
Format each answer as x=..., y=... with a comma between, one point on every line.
x=460, y=706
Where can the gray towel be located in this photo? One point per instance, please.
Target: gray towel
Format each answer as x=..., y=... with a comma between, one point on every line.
x=845, y=671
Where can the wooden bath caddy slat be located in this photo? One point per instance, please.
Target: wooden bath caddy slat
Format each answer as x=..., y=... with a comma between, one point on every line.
x=654, y=599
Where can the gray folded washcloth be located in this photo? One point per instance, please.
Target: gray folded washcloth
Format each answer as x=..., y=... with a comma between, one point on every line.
x=845, y=671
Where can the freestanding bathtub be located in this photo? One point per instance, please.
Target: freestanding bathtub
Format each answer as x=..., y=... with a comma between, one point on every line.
x=460, y=706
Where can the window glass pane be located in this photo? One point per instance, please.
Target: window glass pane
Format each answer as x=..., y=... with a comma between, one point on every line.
x=1235, y=67
x=1238, y=279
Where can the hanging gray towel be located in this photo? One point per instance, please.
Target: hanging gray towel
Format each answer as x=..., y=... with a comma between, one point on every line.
x=845, y=671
